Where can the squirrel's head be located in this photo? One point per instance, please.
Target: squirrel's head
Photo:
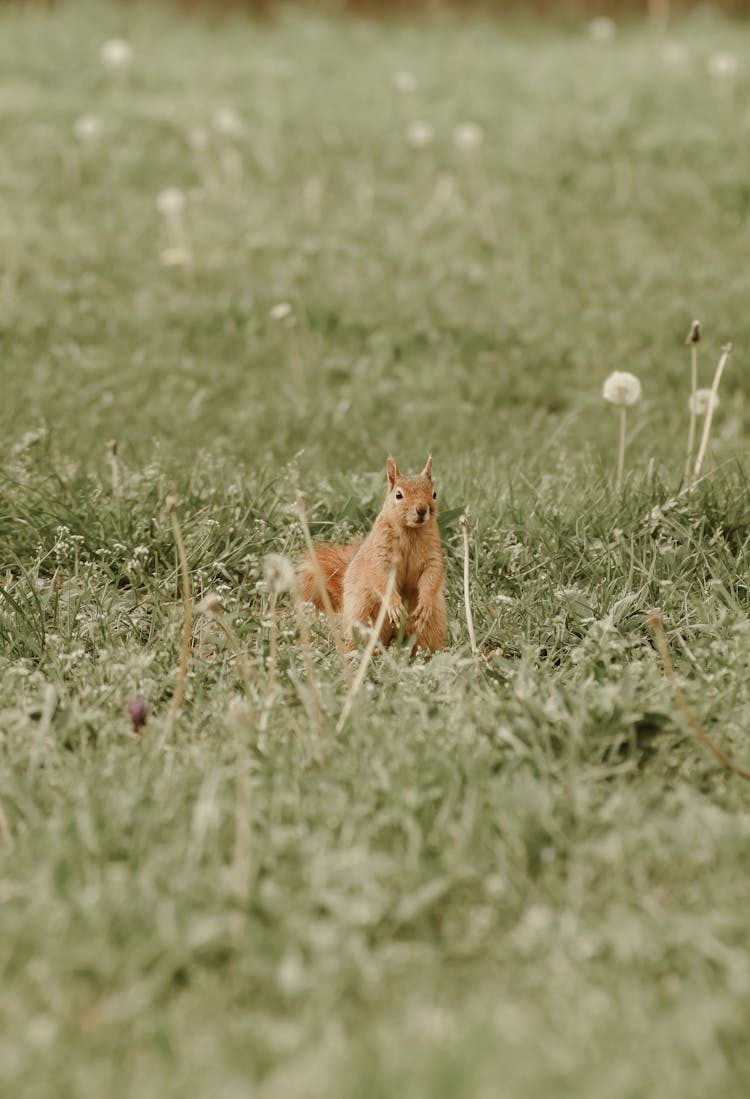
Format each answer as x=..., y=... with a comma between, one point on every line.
x=411, y=501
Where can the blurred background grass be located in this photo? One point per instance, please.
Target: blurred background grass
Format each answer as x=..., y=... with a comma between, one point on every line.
x=404, y=235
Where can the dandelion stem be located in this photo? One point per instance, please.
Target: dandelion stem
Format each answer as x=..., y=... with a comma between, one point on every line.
x=656, y=625
x=693, y=408
x=5, y=832
x=621, y=449
x=114, y=466
x=272, y=630
x=726, y=351
x=369, y=650
x=186, y=615
x=241, y=862
x=465, y=525
x=304, y=635
x=242, y=662
x=323, y=589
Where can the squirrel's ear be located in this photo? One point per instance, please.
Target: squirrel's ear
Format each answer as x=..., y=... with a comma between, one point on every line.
x=427, y=471
x=392, y=470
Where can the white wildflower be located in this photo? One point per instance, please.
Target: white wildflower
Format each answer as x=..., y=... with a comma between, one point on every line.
x=602, y=29
x=702, y=400
x=281, y=311
x=622, y=388
x=87, y=128
x=419, y=134
x=467, y=135
x=116, y=54
x=723, y=66
x=404, y=82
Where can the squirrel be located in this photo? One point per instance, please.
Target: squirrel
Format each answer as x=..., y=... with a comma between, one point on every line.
x=405, y=535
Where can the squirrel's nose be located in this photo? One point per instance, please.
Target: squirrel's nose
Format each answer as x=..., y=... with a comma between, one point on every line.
x=421, y=512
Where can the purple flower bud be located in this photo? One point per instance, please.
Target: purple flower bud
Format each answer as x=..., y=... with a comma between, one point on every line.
x=137, y=711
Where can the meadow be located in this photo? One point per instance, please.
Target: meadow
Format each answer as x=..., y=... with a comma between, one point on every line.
x=252, y=260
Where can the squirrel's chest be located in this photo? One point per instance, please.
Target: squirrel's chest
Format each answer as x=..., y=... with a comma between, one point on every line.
x=411, y=557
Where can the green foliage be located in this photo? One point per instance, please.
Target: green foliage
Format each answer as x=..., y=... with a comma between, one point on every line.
x=521, y=876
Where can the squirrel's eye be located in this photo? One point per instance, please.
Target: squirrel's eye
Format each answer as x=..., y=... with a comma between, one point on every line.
x=399, y=494
x=434, y=496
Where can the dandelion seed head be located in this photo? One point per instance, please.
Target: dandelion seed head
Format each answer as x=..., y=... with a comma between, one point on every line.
x=419, y=134
x=199, y=138
x=404, y=82
x=602, y=29
x=170, y=201
x=621, y=388
x=723, y=66
x=87, y=128
x=468, y=135
x=278, y=572
x=176, y=257
x=116, y=54
x=702, y=401
x=210, y=604
x=281, y=311
x=228, y=123
x=674, y=54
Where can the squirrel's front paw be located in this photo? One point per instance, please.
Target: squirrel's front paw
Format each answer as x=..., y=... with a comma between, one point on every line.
x=395, y=610
x=422, y=616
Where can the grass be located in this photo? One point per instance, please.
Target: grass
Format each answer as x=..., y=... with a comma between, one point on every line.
x=519, y=876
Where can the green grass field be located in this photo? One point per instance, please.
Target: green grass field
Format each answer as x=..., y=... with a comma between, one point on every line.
x=522, y=877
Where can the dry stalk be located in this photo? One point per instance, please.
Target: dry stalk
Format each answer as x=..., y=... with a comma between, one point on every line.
x=726, y=351
x=656, y=625
x=171, y=506
x=5, y=833
x=369, y=650
x=115, y=468
x=465, y=527
x=320, y=578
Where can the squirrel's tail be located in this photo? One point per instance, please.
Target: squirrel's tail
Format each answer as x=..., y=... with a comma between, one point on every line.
x=332, y=561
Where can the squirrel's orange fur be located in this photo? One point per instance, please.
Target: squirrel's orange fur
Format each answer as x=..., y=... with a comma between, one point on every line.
x=405, y=535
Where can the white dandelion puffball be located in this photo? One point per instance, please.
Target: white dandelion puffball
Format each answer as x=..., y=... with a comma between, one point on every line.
x=176, y=257
x=702, y=401
x=116, y=54
x=87, y=128
x=723, y=66
x=674, y=54
x=199, y=138
x=404, y=82
x=281, y=311
x=228, y=123
x=210, y=604
x=621, y=388
x=420, y=134
x=467, y=135
x=170, y=201
x=602, y=29
x=278, y=572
